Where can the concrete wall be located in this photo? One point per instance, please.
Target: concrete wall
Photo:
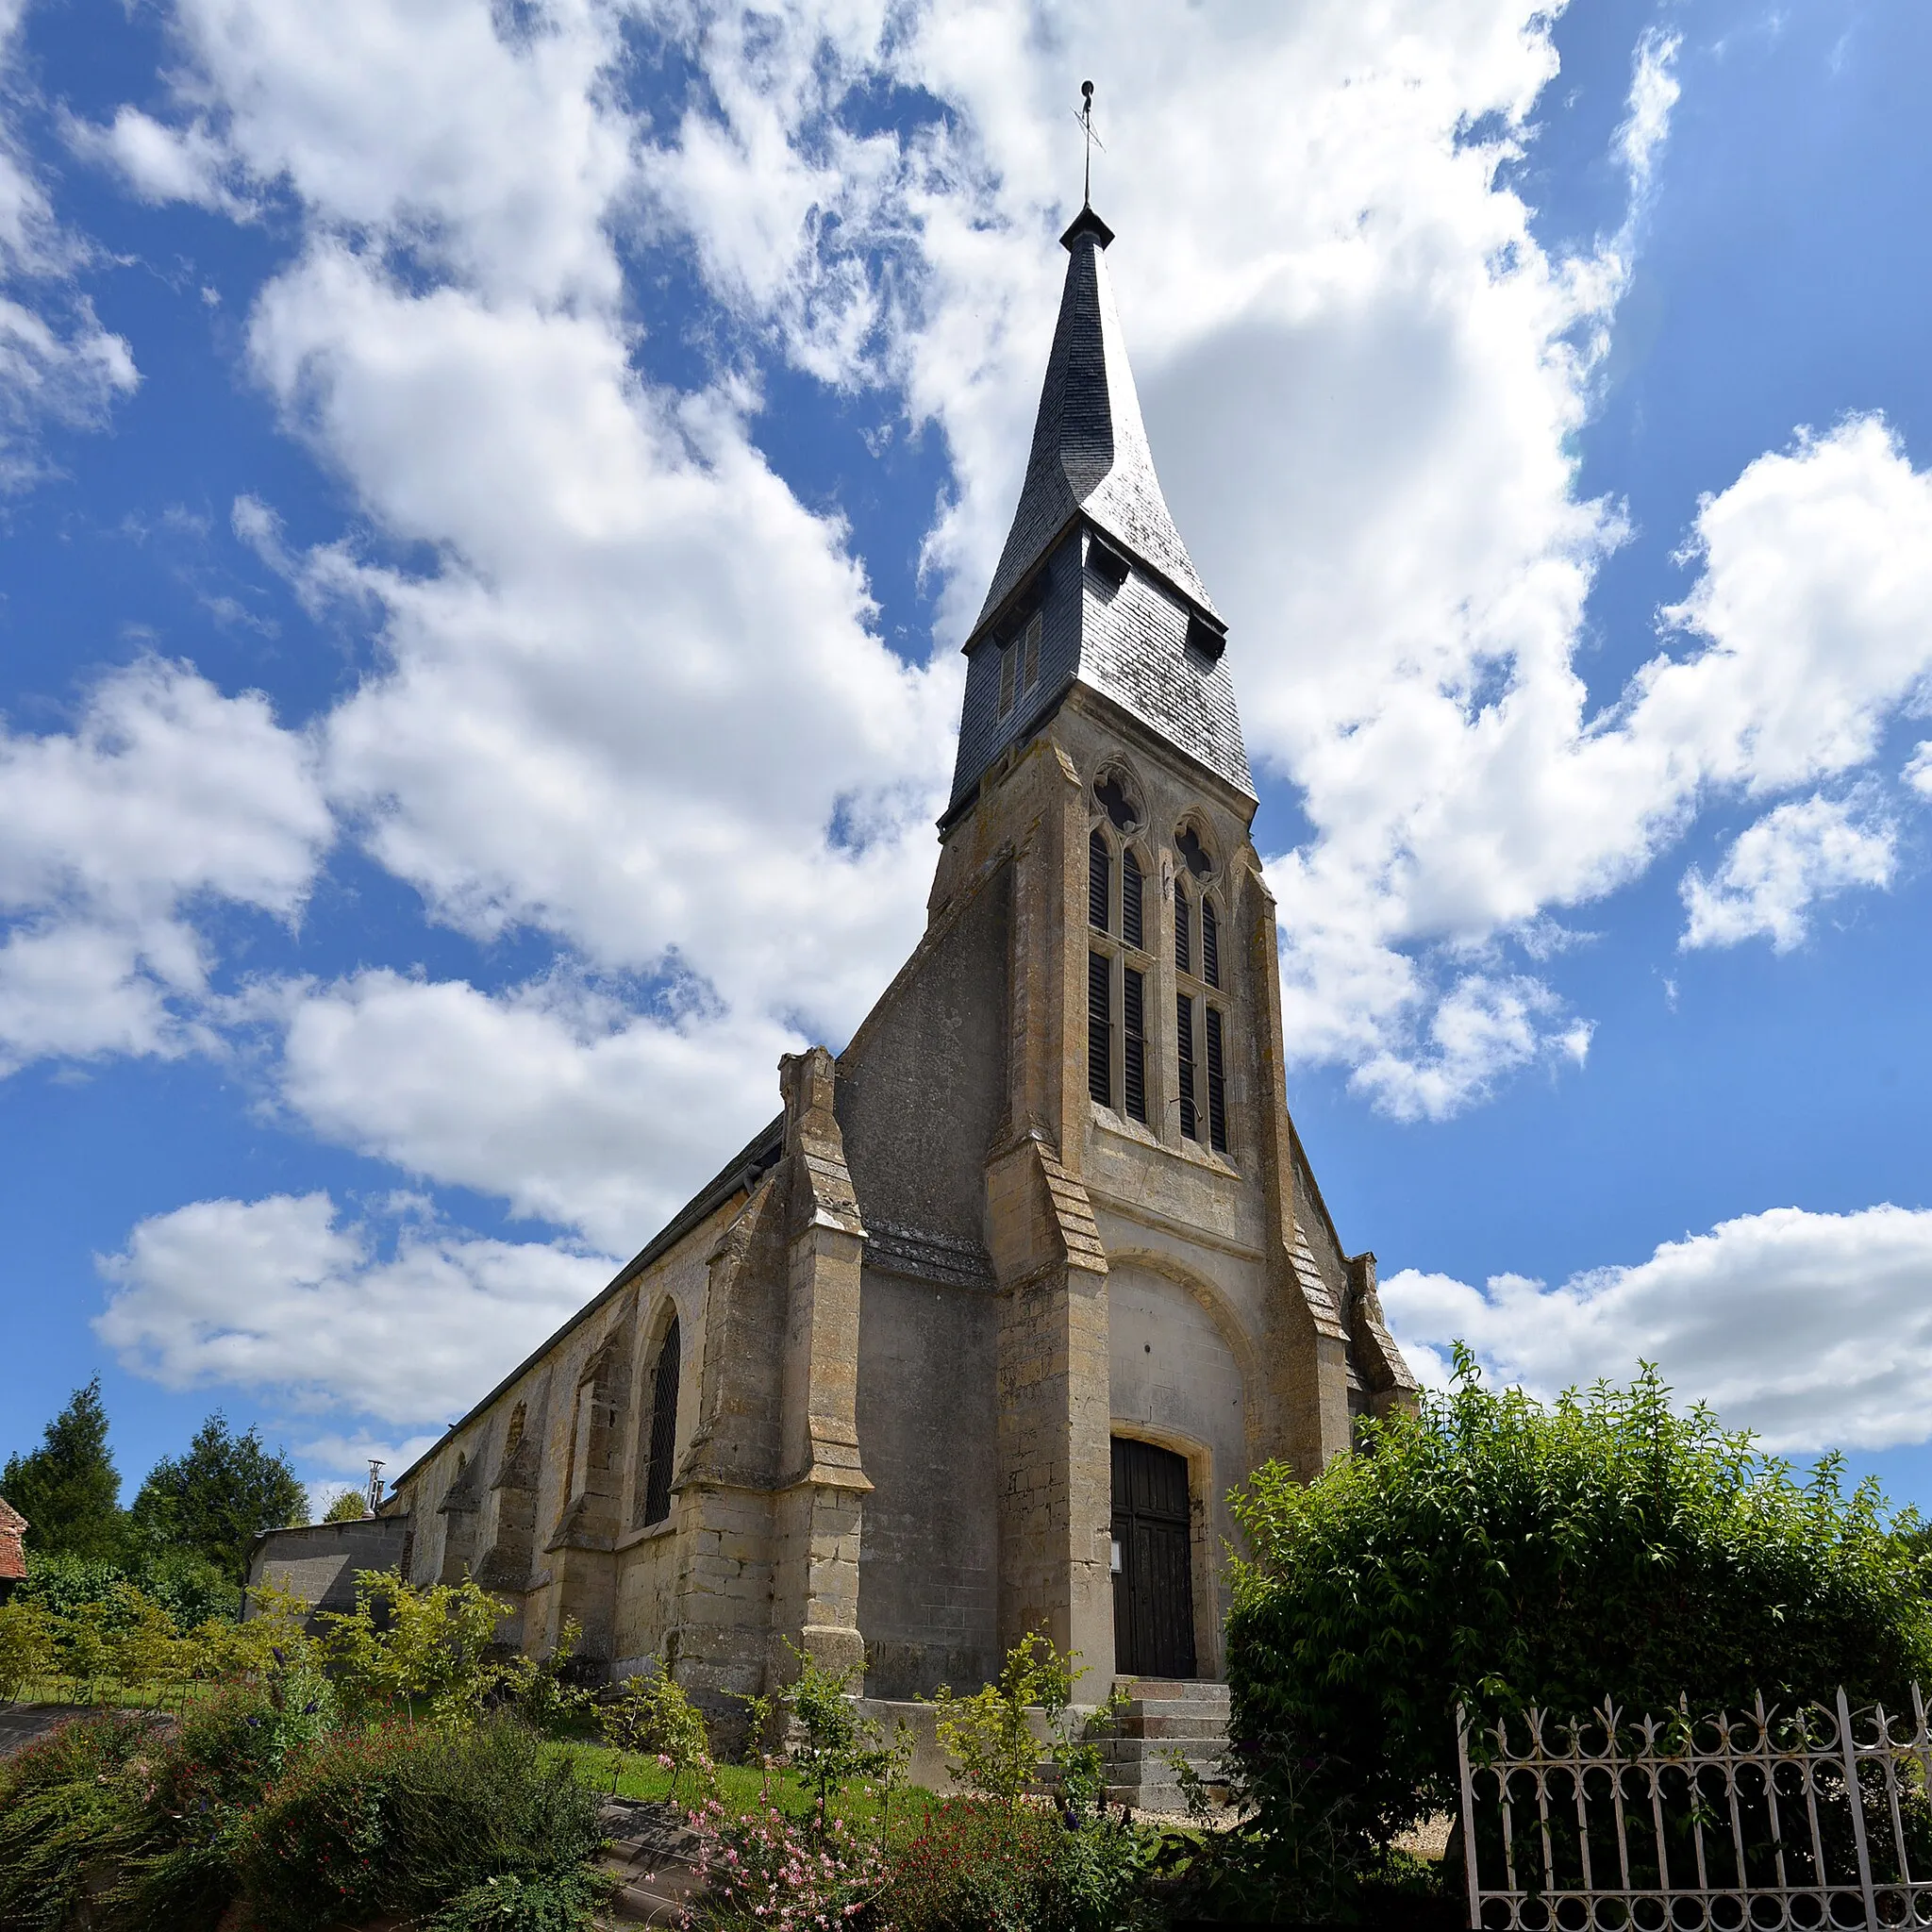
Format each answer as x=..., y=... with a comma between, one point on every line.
x=318, y=1563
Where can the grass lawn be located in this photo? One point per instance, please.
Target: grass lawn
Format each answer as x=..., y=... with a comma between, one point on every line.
x=741, y=1788
x=109, y=1694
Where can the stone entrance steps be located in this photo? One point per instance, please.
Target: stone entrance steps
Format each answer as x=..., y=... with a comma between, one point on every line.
x=1165, y=1715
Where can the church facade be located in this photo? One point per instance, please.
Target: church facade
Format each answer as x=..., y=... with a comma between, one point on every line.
x=976, y=1336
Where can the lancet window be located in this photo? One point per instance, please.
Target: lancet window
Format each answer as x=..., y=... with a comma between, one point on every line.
x=1117, y=968
x=661, y=1432
x=1201, y=1021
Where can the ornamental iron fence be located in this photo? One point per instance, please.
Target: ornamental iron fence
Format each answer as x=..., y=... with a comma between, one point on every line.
x=1815, y=1819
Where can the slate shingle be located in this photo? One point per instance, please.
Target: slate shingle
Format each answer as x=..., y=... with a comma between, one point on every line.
x=1090, y=470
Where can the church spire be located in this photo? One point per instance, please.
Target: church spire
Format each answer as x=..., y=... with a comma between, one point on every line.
x=1094, y=587
x=1089, y=450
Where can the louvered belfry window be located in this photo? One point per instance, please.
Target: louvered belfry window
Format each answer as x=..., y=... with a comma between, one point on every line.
x=1210, y=944
x=1030, y=648
x=1130, y=900
x=1134, y=1044
x=1100, y=1028
x=1010, y=665
x=1183, y=931
x=1099, y=863
x=663, y=1429
x=1217, y=1085
x=1184, y=1033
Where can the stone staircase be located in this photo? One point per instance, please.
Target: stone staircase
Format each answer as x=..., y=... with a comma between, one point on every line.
x=1165, y=1715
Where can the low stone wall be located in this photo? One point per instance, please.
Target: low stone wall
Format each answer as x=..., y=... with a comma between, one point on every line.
x=319, y=1561
x=927, y=1765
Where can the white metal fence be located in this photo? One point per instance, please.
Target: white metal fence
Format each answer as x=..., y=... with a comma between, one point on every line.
x=1815, y=1819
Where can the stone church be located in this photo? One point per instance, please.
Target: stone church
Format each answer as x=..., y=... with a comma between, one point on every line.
x=975, y=1337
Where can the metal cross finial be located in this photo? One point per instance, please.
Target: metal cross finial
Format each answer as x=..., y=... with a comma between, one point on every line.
x=1083, y=115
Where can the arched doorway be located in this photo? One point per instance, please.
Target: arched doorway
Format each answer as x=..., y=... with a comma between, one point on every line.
x=1153, y=1562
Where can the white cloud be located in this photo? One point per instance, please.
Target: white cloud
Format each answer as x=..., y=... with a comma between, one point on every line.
x=1480, y=1031
x=346, y=1457
x=561, y=1103
x=58, y=365
x=282, y=1298
x=1655, y=90
x=634, y=702
x=1777, y=869
x=1361, y=377
x=166, y=794
x=1918, y=771
x=637, y=702
x=160, y=163
x=1813, y=1329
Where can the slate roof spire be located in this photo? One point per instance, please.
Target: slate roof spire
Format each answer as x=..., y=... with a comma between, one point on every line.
x=1089, y=446
x=1095, y=591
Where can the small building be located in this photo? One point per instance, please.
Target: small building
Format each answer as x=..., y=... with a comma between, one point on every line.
x=13, y=1528
x=975, y=1337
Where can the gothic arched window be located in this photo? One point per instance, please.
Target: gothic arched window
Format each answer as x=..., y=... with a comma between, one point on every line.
x=655, y=1488
x=1131, y=908
x=1099, y=878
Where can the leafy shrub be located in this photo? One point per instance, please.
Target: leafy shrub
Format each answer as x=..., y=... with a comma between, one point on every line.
x=972, y=1867
x=68, y=1802
x=396, y=1818
x=550, y=1902
x=770, y=1870
x=402, y=1646
x=652, y=1715
x=186, y=1585
x=1494, y=1553
x=836, y=1745
x=993, y=1747
x=180, y=1872
x=27, y=1632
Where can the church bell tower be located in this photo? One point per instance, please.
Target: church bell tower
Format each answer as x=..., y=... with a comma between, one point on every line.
x=1175, y=1307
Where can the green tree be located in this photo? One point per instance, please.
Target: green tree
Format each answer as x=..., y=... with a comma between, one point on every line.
x=1494, y=1553
x=350, y=1507
x=216, y=1498
x=68, y=1489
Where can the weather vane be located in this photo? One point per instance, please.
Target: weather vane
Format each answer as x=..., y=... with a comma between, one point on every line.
x=1083, y=115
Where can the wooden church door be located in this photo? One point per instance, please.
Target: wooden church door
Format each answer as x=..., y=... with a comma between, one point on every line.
x=1153, y=1562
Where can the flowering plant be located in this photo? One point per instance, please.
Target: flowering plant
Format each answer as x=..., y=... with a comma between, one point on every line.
x=766, y=1869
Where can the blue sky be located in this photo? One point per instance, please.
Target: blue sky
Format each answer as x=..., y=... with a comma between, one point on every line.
x=491, y=501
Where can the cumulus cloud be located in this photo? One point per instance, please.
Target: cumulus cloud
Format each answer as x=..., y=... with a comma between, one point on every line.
x=1813, y=1329
x=638, y=703
x=561, y=1102
x=285, y=1298
x=166, y=794
x=160, y=163
x=1361, y=406
x=1776, y=868
x=635, y=700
